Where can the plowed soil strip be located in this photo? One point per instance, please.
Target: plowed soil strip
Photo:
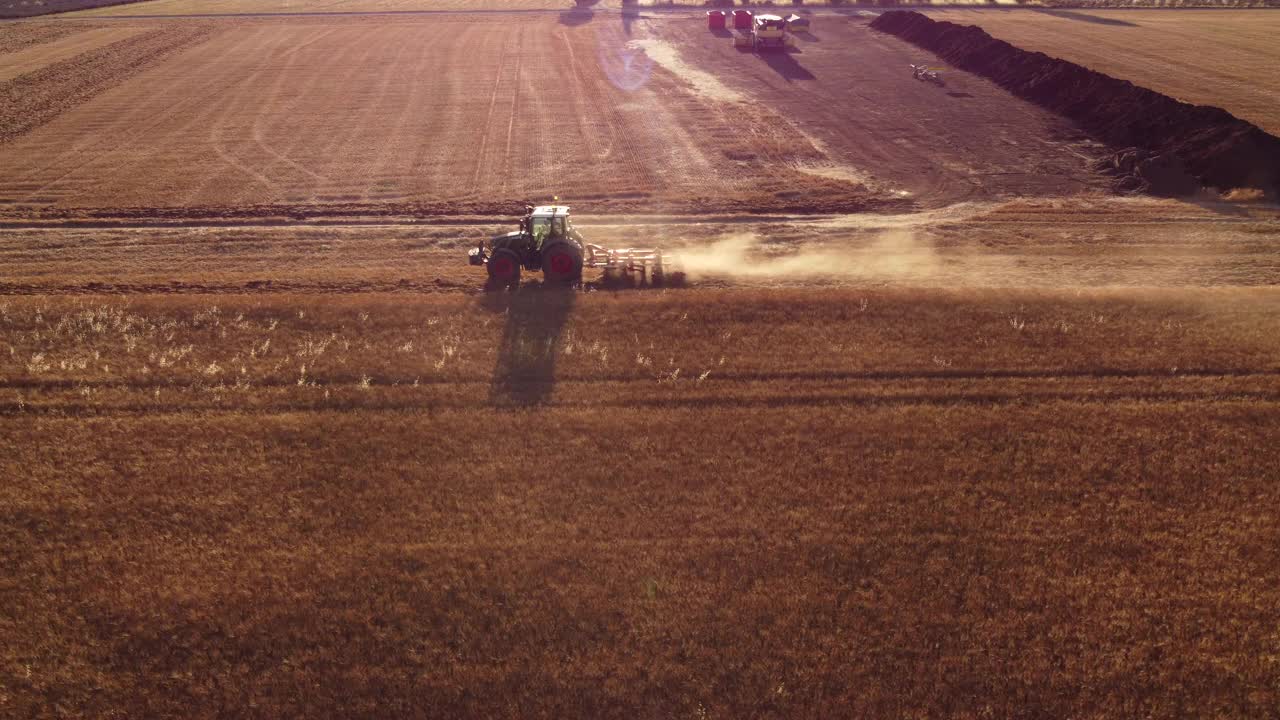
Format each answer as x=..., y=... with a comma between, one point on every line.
x=41, y=56
x=33, y=99
x=31, y=8
x=15, y=37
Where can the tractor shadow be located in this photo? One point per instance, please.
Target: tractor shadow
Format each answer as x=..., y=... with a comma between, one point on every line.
x=536, y=316
x=1087, y=18
x=580, y=15
x=782, y=62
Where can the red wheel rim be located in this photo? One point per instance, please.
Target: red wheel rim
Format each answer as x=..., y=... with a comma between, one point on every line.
x=561, y=263
x=502, y=267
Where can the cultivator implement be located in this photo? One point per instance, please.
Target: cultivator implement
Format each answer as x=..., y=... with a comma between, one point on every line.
x=634, y=265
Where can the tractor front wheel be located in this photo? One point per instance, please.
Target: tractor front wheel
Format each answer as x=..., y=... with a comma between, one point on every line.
x=504, y=267
x=562, y=262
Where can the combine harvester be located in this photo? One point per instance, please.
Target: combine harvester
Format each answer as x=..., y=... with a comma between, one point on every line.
x=548, y=241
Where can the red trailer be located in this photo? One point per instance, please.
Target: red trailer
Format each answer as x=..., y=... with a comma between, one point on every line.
x=741, y=19
x=715, y=20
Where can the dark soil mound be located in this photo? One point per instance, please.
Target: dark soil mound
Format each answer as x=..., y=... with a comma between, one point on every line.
x=1217, y=148
x=46, y=7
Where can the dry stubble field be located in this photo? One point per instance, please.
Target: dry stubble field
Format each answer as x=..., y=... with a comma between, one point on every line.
x=364, y=115
x=271, y=452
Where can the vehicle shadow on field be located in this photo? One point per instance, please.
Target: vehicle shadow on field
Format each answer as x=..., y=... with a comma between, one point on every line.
x=1085, y=17
x=785, y=65
x=536, y=315
x=577, y=16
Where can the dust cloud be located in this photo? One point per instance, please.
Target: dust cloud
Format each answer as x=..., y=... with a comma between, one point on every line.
x=893, y=254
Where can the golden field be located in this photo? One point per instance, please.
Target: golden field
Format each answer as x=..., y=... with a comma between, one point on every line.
x=719, y=503
x=937, y=427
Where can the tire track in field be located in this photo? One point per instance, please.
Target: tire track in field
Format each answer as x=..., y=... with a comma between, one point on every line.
x=338, y=142
x=231, y=79
x=238, y=87
x=274, y=103
x=229, y=110
x=351, y=67
x=674, y=124
x=588, y=108
x=991, y=376
x=514, y=115
x=851, y=401
x=391, y=145
x=481, y=152
x=446, y=158
x=544, y=166
x=282, y=74
x=638, y=172
x=298, y=138
x=371, y=109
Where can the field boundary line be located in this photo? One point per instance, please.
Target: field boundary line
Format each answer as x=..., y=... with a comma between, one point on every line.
x=30, y=407
x=875, y=376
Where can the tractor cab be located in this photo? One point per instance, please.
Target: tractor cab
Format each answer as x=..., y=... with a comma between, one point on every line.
x=547, y=223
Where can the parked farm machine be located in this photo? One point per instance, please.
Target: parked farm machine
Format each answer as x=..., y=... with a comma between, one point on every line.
x=758, y=32
x=927, y=74
x=548, y=241
x=766, y=32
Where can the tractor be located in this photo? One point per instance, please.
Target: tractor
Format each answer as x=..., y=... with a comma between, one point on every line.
x=548, y=241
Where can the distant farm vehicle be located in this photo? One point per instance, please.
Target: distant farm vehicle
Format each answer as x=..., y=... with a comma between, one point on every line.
x=928, y=74
x=797, y=24
x=766, y=32
x=548, y=241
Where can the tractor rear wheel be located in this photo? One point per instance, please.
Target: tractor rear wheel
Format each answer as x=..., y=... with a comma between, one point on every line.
x=562, y=262
x=504, y=267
